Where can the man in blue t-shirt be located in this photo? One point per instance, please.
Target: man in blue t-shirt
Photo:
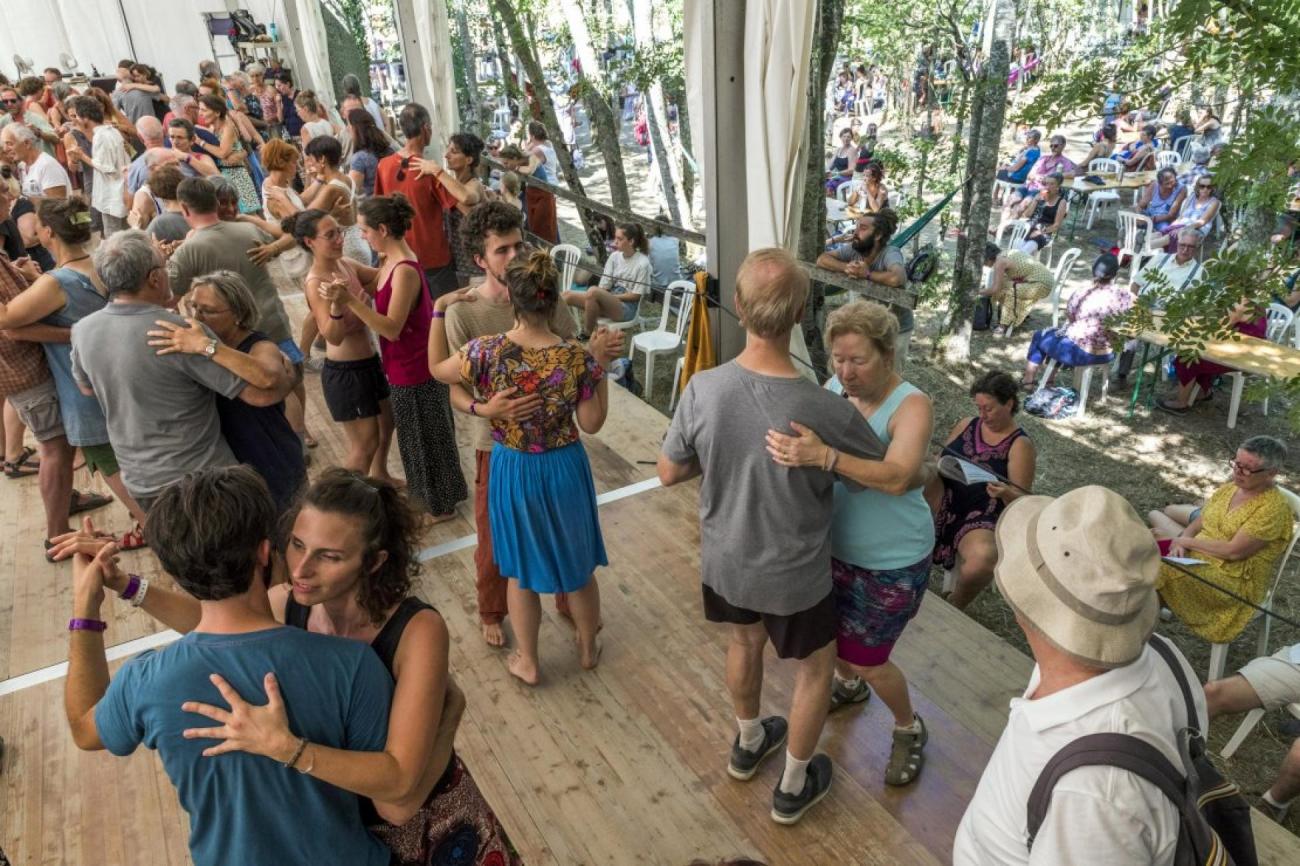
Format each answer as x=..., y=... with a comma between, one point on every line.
x=210, y=533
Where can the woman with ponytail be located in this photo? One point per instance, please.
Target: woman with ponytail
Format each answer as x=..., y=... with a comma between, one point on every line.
x=351, y=546
x=541, y=499
x=426, y=435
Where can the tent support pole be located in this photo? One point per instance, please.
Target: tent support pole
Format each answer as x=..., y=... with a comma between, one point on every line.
x=414, y=60
x=725, y=198
x=126, y=26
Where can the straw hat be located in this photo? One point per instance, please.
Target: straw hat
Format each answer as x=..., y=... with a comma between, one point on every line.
x=1082, y=568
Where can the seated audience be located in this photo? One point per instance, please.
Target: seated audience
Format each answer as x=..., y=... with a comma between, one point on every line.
x=1079, y=574
x=1103, y=147
x=1140, y=155
x=1047, y=212
x=882, y=532
x=965, y=514
x=1209, y=127
x=1197, y=213
x=1239, y=532
x=1018, y=168
x=627, y=277
x=1161, y=200
x=1018, y=282
x=1268, y=683
x=1180, y=128
x=1055, y=163
x=1084, y=340
x=839, y=170
x=1199, y=376
x=871, y=195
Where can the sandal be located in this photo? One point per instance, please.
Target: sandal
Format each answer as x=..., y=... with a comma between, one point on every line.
x=907, y=757
x=133, y=539
x=15, y=469
x=1171, y=407
x=27, y=457
x=87, y=502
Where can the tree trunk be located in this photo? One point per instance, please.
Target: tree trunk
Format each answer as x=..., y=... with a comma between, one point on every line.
x=542, y=97
x=678, y=96
x=469, y=58
x=604, y=125
x=812, y=222
x=963, y=104
x=982, y=167
x=670, y=184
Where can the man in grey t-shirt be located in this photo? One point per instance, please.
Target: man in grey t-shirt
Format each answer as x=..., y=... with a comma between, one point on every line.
x=867, y=253
x=161, y=409
x=765, y=552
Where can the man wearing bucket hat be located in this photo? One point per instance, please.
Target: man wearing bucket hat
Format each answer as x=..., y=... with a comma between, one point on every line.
x=1079, y=571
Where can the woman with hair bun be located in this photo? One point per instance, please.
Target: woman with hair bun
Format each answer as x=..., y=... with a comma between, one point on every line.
x=402, y=311
x=541, y=499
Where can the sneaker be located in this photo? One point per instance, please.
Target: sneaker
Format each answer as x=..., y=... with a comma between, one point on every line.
x=1277, y=813
x=744, y=763
x=789, y=808
x=313, y=364
x=846, y=692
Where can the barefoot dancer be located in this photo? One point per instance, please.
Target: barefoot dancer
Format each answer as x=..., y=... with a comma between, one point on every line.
x=541, y=501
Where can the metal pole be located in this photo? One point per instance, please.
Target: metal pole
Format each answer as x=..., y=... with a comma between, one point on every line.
x=126, y=25
x=723, y=174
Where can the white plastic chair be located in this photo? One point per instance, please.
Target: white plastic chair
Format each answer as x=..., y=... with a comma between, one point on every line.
x=1082, y=380
x=1219, y=651
x=1184, y=145
x=1062, y=271
x=677, y=378
x=1103, y=168
x=1280, y=320
x=1167, y=159
x=1019, y=231
x=1006, y=187
x=1131, y=224
x=501, y=119
x=566, y=257
x=664, y=339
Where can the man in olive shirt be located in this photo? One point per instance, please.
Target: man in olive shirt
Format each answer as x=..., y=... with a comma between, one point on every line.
x=493, y=234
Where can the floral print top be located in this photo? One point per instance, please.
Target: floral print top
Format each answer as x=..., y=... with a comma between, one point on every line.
x=564, y=374
x=1088, y=310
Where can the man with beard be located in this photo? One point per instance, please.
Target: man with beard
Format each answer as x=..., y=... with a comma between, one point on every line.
x=866, y=254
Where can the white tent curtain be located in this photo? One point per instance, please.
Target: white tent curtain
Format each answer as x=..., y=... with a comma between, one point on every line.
x=314, y=56
x=97, y=36
x=436, y=67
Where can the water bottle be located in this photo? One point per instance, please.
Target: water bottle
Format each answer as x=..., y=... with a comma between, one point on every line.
x=274, y=32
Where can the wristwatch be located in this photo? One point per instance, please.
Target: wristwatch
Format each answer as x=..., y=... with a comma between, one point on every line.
x=211, y=348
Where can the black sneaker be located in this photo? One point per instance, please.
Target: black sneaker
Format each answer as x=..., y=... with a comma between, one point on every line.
x=744, y=763
x=846, y=692
x=789, y=808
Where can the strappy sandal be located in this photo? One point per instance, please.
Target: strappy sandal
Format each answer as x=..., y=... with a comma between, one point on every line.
x=27, y=457
x=133, y=539
x=15, y=469
x=87, y=502
x=907, y=756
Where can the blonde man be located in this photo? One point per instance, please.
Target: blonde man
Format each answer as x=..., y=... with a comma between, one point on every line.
x=765, y=529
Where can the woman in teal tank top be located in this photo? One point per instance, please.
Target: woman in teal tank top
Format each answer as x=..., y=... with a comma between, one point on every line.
x=882, y=531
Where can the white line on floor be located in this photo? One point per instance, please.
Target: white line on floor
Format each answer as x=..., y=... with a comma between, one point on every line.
x=162, y=638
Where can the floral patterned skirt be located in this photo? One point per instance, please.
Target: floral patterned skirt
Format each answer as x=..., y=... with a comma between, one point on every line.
x=455, y=827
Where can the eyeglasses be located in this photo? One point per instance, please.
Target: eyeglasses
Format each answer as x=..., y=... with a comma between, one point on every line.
x=401, y=171
x=10, y=101
x=1205, y=186
x=207, y=312
x=331, y=235
x=1188, y=246
x=1244, y=470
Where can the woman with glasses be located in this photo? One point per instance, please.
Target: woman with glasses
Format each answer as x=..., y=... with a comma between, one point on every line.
x=1238, y=534
x=220, y=304
x=1196, y=380
x=1196, y=213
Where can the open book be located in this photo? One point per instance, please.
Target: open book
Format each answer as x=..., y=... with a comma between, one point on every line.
x=965, y=472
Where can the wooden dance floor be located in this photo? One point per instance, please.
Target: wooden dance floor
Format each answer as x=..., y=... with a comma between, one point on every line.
x=625, y=765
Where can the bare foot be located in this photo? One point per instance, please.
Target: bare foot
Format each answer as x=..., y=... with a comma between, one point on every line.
x=589, y=658
x=435, y=519
x=524, y=671
x=493, y=634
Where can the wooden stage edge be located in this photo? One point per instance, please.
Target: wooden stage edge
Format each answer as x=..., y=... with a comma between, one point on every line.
x=623, y=765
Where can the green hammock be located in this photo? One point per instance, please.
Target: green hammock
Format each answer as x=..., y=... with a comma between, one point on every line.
x=901, y=238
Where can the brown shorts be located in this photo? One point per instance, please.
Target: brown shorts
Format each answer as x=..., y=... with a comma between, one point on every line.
x=38, y=408
x=794, y=636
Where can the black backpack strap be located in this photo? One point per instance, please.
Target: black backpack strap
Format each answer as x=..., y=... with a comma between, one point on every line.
x=1167, y=653
x=1104, y=750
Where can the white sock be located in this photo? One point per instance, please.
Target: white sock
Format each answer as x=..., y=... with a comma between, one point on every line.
x=751, y=733
x=1268, y=798
x=847, y=681
x=914, y=728
x=796, y=773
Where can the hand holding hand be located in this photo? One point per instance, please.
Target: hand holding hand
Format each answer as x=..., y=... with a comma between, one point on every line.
x=28, y=268
x=88, y=574
x=803, y=449
x=173, y=338
x=606, y=345
x=334, y=291
x=244, y=727
x=503, y=405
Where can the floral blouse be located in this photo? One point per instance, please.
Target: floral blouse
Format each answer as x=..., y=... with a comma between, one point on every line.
x=1088, y=311
x=564, y=374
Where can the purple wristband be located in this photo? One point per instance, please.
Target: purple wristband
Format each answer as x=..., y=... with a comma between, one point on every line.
x=132, y=587
x=76, y=624
x=440, y=314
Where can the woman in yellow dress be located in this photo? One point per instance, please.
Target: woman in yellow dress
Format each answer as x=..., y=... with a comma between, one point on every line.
x=1240, y=532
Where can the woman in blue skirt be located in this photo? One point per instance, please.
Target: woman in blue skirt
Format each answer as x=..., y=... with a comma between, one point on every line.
x=534, y=385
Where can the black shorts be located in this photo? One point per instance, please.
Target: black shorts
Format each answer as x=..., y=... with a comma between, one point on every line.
x=353, y=389
x=794, y=636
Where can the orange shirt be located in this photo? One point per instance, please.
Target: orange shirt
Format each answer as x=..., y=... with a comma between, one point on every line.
x=428, y=234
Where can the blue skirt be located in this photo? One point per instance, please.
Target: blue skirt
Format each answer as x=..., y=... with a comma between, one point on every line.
x=542, y=510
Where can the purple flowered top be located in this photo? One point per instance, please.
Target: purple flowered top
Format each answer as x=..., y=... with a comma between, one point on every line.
x=564, y=374
x=1088, y=310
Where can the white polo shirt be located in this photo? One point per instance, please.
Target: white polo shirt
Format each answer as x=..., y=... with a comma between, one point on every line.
x=1097, y=814
x=1180, y=277
x=44, y=173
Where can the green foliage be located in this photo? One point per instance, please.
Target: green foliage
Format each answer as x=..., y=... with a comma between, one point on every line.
x=353, y=14
x=346, y=53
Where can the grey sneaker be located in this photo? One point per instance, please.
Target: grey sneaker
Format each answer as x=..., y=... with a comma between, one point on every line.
x=744, y=763
x=789, y=808
x=846, y=692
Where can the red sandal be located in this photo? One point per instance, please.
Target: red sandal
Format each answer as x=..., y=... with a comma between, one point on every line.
x=133, y=539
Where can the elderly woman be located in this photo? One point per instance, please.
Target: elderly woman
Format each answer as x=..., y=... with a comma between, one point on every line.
x=965, y=514
x=1239, y=532
x=1199, y=376
x=1162, y=199
x=1196, y=213
x=260, y=436
x=1085, y=340
x=882, y=533
x=1018, y=282
x=1140, y=155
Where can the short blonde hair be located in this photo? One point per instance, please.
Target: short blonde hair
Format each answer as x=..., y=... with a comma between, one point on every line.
x=867, y=319
x=771, y=291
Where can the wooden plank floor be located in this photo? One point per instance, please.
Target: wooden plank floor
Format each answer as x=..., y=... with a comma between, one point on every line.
x=624, y=765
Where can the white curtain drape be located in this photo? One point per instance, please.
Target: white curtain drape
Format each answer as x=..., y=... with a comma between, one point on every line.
x=314, y=57
x=435, y=44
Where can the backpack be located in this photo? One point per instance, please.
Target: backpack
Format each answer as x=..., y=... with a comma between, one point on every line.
x=1052, y=403
x=1214, y=826
x=982, y=315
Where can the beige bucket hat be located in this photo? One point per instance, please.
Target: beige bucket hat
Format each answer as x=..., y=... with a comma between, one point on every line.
x=1082, y=568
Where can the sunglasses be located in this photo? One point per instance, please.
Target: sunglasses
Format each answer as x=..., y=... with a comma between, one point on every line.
x=1205, y=186
x=401, y=171
x=10, y=101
